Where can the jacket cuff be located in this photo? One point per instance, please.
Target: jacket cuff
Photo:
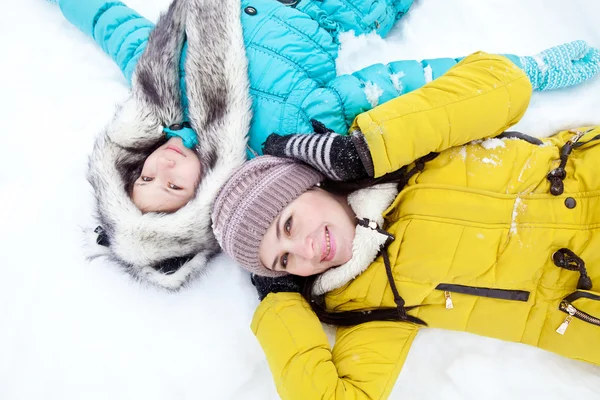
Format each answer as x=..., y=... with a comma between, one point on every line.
x=285, y=327
x=83, y=14
x=363, y=151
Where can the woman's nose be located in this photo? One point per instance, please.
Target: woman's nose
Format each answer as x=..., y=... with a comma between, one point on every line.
x=164, y=162
x=305, y=248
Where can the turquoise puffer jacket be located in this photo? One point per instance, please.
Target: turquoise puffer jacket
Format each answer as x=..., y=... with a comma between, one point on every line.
x=291, y=47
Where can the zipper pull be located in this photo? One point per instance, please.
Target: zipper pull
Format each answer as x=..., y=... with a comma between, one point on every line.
x=448, y=297
x=563, y=327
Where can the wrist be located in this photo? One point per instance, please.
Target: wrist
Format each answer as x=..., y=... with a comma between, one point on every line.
x=536, y=71
x=362, y=148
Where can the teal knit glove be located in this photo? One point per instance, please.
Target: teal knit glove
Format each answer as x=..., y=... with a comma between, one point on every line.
x=562, y=66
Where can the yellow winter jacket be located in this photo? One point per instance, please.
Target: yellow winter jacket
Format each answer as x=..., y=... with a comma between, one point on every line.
x=478, y=239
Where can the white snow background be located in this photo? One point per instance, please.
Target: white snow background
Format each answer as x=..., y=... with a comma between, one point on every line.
x=71, y=329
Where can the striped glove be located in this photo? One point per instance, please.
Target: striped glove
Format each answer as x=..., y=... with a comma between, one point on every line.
x=338, y=157
x=287, y=283
x=562, y=66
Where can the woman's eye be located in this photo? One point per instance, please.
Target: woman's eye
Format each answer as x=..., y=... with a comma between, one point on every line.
x=287, y=227
x=147, y=179
x=283, y=261
x=174, y=187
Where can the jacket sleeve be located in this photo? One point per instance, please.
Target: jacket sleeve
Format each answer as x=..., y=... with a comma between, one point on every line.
x=292, y=50
x=119, y=31
x=360, y=16
x=364, y=363
x=337, y=103
x=478, y=98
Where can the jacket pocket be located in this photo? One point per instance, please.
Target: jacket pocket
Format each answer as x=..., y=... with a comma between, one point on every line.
x=578, y=305
x=501, y=294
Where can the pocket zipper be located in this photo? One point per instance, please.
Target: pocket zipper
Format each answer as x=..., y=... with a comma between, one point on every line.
x=501, y=294
x=567, y=307
x=448, y=297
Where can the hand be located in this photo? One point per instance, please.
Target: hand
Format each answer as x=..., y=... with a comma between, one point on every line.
x=562, y=66
x=288, y=283
x=336, y=156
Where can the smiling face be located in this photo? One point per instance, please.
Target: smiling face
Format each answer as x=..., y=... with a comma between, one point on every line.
x=312, y=234
x=168, y=179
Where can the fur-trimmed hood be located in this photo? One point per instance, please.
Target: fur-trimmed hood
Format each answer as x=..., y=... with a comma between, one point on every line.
x=369, y=205
x=168, y=250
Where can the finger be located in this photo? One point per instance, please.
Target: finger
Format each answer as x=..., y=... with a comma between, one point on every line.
x=563, y=55
x=585, y=72
x=592, y=56
x=320, y=127
x=275, y=144
x=575, y=50
x=590, y=65
x=577, y=73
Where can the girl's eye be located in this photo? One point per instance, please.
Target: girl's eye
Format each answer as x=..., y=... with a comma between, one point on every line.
x=147, y=179
x=174, y=187
x=287, y=227
x=283, y=261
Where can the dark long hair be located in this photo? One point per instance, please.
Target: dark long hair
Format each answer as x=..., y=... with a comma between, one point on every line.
x=130, y=164
x=345, y=188
x=356, y=317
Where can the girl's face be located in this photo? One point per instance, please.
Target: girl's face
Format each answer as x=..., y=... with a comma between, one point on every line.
x=169, y=178
x=312, y=234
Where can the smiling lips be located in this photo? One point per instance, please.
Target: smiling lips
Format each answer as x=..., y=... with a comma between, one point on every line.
x=175, y=149
x=329, y=248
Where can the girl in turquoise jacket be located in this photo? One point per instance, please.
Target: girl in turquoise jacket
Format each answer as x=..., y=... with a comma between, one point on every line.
x=291, y=47
x=159, y=164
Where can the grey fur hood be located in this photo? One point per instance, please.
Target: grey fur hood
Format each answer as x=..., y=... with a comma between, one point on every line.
x=169, y=250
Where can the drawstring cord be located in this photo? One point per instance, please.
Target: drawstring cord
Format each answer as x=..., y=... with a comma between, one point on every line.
x=558, y=174
x=367, y=223
x=419, y=167
x=400, y=303
x=397, y=298
x=565, y=258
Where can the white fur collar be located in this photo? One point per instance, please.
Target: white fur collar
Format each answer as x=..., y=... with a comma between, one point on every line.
x=369, y=203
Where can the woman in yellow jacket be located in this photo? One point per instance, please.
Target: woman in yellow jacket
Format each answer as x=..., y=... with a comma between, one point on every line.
x=469, y=228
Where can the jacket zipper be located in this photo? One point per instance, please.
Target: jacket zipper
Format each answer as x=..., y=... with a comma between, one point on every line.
x=502, y=294
x=448, y=297
x=568, y=308
x=578, y=143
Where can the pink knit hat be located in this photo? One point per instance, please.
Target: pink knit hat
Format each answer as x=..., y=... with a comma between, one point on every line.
x=251, y=200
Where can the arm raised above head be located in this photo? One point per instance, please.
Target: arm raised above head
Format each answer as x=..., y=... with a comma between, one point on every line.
x=121, y=32
x=480, y=97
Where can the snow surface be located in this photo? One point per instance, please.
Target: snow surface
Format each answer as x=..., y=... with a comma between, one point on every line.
x=72, y=329
x=492, y=143
x=373, y=93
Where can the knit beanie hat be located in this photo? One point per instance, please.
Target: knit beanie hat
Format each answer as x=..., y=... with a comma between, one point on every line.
x=251, y=200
